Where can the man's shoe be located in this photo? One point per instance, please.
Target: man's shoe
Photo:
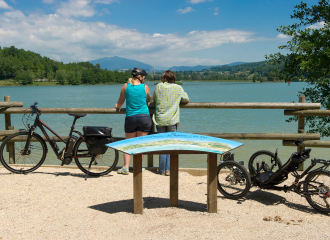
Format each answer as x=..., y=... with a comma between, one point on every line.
x=167, y=173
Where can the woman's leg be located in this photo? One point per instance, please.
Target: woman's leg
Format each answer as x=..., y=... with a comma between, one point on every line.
x=127, y=157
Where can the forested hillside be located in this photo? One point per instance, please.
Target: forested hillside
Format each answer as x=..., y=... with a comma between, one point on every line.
x=25, y=67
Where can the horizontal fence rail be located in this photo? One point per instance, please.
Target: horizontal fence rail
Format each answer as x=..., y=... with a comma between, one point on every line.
x=225, y=105
x=11, y=104
x=321, y=113
x=247, y=136
x=320, y=144
x=265, y=136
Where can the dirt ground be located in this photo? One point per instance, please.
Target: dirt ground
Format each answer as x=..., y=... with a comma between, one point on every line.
x=57, y=203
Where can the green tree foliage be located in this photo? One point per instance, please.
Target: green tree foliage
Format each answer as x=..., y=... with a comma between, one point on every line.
x=18, y=64
x=309, y=57
x=25, y=77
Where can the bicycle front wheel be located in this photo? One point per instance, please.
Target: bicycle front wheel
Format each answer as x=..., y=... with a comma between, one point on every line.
x=233, y=180
x=102, y=164
x=271, y=164
x=12, y=154
x=317, y=190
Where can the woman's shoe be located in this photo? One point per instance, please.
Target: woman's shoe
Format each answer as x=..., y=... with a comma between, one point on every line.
x=167, y=173
x=123, y=171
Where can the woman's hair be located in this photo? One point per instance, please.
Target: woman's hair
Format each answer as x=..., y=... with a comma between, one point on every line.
x=170, y=76
x=131, y=80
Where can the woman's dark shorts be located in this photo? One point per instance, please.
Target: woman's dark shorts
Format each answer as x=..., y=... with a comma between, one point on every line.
x=140, y=122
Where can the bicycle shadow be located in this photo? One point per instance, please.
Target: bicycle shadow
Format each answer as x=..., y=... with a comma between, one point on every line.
x=64, y=174
x=269, y=198
x=148, y=203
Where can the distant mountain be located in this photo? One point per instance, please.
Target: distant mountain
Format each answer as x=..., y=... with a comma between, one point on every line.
x=200, y=67
x=117, y=63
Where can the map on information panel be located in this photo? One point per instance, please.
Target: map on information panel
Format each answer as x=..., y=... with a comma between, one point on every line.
x=174, y=141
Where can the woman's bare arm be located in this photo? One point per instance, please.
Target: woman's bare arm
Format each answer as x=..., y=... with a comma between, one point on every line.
x=121, y=99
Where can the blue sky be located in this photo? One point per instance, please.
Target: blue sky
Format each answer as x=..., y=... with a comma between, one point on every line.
x=160, y=33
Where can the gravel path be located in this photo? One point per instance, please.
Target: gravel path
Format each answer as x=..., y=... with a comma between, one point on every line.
x=57, y=203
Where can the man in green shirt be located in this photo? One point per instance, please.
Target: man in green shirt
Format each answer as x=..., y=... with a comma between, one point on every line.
x=167, y=96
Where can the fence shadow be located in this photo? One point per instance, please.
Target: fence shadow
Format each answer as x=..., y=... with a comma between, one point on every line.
x=148, y=203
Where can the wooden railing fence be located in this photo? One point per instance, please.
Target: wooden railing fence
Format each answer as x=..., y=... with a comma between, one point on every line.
x=300, y=109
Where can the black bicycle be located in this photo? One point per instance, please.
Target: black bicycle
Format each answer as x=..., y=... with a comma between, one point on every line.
x=25, y=151
x=267, y=172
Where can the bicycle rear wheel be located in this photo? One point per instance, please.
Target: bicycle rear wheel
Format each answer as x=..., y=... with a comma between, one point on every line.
x=12, y=154
x=317, y=190
x=103, y=163
x=233, y=180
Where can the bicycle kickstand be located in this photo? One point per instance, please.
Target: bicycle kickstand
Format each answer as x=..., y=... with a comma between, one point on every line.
x=89, y=167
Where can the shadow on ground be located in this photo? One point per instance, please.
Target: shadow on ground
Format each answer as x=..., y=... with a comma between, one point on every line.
x=148, y=203
x=62, y=174
x=270, y=198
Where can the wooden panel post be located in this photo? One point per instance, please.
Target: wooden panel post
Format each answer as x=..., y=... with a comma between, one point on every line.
x=151, y=156
x=11, y=149
x=301, y=129
x=137, y=184
x=212, y=200
x=174, y=180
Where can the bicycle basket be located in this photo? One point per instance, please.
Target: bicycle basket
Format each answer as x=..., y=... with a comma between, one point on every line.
x=96, y=138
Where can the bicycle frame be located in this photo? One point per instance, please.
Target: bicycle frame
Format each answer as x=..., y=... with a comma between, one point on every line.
x=39, y=123
x=296, y=185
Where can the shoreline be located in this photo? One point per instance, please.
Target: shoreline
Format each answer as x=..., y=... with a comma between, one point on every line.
x=9, y=84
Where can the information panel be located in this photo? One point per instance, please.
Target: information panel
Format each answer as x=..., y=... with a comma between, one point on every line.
x=174, y=141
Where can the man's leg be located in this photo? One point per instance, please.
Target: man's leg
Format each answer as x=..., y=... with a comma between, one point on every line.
x=172, y=128
x=162, y=157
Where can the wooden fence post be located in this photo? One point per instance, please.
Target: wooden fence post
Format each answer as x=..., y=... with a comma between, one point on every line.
x=9, y=147
x=7, y=115
x=301, y=129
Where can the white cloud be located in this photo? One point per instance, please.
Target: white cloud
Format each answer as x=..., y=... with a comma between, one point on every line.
x=198, y=1
x=282, y=36
x=76, y=8
x=317, y=25
x=70, y=40
x=216, y=9
x=186, y=10
x=4, y=5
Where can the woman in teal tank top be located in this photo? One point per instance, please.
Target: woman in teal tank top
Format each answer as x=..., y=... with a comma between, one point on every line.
x=137, y=121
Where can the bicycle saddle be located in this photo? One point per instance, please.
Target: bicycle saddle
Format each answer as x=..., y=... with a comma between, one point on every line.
x=78, y=115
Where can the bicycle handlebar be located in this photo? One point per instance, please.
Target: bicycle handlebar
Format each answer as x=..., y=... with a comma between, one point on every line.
x=322, y=161
x=35, y=108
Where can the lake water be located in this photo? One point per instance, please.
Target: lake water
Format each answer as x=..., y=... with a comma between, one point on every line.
x=192, y=120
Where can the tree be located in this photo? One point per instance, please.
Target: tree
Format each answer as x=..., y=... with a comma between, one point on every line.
x=309, y=57
x=24, y=77
x=60, y=76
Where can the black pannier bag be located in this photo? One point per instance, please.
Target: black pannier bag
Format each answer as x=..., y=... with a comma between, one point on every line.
x=96, y=138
